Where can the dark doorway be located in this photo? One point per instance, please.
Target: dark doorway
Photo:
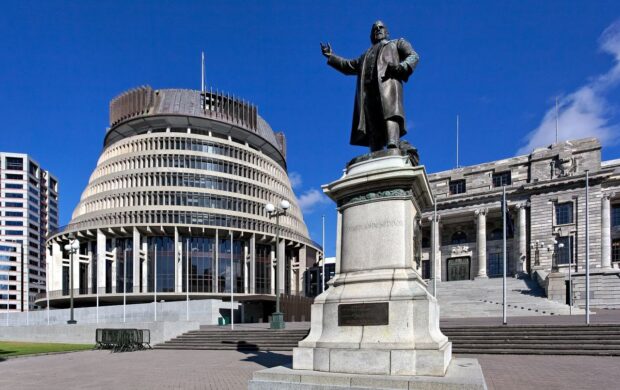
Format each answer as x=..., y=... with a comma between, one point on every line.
x=458, y=268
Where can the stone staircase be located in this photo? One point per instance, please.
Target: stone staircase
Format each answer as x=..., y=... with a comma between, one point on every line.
x=599, y=340
x=483, y=298
x=259, y=339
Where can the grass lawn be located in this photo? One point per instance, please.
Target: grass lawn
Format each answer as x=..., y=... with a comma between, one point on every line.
x=15, y=348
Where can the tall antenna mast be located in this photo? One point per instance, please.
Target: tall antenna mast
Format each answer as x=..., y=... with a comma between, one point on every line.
x=457, y=140
x=556, y=120
x=202, y=73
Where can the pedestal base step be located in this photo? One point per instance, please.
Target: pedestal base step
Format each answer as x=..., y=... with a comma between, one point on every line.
x=461, y=374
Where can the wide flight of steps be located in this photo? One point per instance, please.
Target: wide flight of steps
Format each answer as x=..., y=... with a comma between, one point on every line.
x=483, y=298
x=599, y=340
x=263, y=339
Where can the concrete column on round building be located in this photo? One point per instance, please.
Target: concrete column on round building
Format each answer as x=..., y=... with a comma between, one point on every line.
x=116, y=254
x=481, y=242
x=245, y=264
x=145, y=265
x=522, y=238
x=253, y=264
x=101, y=260
x=76, y=272
x=56, y=271
x=89, y=272
x=605, y=232
x=178, y=264
x=272, y=277
x=216, y=260
x=281, y=261
x=136, y=260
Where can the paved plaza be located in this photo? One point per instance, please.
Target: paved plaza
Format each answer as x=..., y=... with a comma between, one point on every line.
x=192, y=370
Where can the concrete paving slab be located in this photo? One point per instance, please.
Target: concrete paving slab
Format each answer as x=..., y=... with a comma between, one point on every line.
x=231, y=370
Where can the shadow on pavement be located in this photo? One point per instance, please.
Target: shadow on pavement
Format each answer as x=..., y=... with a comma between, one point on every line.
x=267, y=358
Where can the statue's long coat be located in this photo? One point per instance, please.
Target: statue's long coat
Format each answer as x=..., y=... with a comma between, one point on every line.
x=391, y=90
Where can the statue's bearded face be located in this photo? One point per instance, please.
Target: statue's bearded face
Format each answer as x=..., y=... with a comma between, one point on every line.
x=378, y=32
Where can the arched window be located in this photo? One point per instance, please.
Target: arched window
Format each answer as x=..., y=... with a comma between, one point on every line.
x=459, y=237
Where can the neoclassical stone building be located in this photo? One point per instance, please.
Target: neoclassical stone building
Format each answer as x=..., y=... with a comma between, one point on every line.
x=182, y=180
x=546, y=194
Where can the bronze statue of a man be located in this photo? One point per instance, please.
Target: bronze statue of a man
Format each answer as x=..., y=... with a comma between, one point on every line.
x=378, y=116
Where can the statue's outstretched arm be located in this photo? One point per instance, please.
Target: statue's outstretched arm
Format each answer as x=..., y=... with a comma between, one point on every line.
x=346, y=66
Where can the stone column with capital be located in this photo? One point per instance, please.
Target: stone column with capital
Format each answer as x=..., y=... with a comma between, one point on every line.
x=605, y=232
x=481, y=242
x=436, y=248
x=522, y=238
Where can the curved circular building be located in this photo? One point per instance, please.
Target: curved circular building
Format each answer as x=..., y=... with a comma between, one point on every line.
x=179, y=189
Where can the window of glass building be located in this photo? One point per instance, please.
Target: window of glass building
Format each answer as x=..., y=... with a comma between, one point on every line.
x=457, y=187
x=14, y=164
x=124, y=264
x=13, y=195
x=13, y=176
x=13, y=204
x=564, y=213
x=564, y=252
x=162, y=249
x=199, y=254
x=501, y=179
x=15, y=186
x=33, y=169
x=263, y=269
x=224, y=280
x=615, y=215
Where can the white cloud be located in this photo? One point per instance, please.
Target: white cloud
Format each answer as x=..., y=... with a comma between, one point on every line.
x=295, y=179
x=584, y=112
x=310, y=199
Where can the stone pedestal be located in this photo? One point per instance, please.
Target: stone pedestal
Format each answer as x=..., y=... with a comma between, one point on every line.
x=377, y=318
x=556, y=287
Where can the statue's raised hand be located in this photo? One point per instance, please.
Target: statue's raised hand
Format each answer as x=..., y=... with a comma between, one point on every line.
x=326, y=49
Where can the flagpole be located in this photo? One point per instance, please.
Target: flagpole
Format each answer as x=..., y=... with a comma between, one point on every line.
x=187, y=279
x=556, y=120
x=505, y=210
x=587, y=247
x=457, y=140
x=434, y=248
x=232, y=283
x=155, y=284
x=323, y=271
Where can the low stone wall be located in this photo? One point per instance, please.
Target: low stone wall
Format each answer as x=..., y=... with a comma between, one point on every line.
x=604, y=289
x=85, y=333
x=205, y=311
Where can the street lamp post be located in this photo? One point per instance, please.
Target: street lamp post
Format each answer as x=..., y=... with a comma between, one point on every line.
x=72, y=248
x=277, y=318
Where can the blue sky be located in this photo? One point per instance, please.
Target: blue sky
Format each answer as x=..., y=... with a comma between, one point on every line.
x=499, y=65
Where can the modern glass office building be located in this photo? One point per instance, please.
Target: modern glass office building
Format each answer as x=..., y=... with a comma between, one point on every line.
x=178, y=198
x=28, y=211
